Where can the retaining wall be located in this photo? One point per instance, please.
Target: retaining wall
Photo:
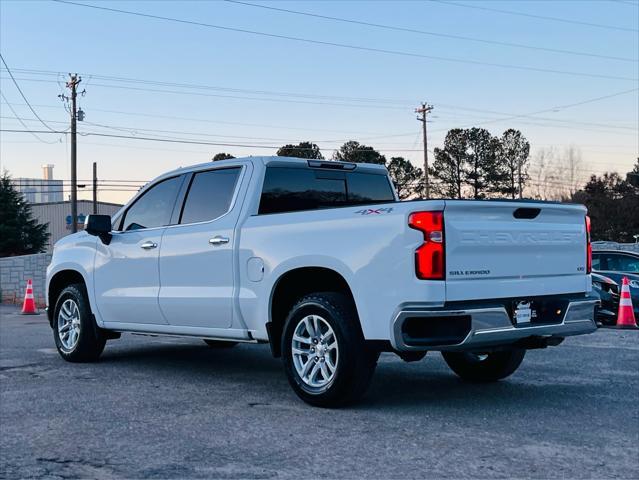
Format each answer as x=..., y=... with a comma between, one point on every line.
x=14, y=273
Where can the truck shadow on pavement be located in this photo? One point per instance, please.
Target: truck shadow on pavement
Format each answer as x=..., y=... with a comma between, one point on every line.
x=395, y=383
x=195, y=360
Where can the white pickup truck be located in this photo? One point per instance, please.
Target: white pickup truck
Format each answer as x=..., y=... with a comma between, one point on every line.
x=321, y=260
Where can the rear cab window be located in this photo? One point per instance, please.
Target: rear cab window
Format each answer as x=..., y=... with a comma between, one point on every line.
x=290, y=189
x=209, y=195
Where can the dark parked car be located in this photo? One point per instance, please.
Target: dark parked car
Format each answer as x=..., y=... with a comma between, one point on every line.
x=616, y=264
x=608, y=291
x=616, y=261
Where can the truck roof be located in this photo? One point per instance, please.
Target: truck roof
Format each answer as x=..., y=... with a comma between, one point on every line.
x=267, y=160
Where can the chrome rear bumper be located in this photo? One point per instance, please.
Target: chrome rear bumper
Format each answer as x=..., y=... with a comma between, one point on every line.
x=488, y=327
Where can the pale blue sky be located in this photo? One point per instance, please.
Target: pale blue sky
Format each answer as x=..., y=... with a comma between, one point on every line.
x=55, y=37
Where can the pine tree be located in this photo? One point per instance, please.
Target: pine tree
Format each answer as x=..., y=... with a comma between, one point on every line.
x=633, y=176
x=222, y=156
x=20, y=234
x=301, y=150
x=450, y=163
x=483, y=174
x=355, y=152
x=407, y=178
x=515, y=151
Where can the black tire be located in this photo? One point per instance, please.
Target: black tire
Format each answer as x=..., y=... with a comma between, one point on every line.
x=90, y=340
x=219, y=343
x=355, y=363
x=488, y=367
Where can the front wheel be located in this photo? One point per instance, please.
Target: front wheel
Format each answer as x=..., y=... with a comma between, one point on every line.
x=484, y=367
x=326, y=358
x=76, y=335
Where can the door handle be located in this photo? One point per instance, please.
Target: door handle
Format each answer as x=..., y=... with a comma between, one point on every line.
x=149, y=245
x=218, y=240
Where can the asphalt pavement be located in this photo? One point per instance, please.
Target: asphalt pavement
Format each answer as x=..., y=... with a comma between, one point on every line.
x=159, y=407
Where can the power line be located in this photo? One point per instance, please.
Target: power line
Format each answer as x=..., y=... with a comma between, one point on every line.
x=225, y=89
x=201, y=142
x=365, y=138
x=225, y=144
x=17, y=117
x=134, y=135
x=404, y=106
x=134, y=130
x=509, y=116
x=204, y=120
x=201, y=94
x=559, y=107
x=445, y=106
x=434, y=34
x=22, y=94
x=349, y=46
x=403, y=103
x=554, y=109
x=184, y=141
x=539, y=17
x=605, y=164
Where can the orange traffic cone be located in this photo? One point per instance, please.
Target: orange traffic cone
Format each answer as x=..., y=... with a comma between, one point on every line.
x=28, y=307
x=626, y=317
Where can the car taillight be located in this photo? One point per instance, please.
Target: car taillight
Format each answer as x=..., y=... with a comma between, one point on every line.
x=429, y=257
x=588, y=247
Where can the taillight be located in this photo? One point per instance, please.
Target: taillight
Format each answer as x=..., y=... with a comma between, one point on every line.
x=588, y=247
x=429, y=257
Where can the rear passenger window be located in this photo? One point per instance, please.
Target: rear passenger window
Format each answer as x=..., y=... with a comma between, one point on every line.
x=368, y=188
x=154, y=207
x=209, y=195
x=294, y=189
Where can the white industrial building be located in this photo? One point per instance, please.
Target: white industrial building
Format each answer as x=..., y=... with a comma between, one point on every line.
x=58, y=216
x=40, y=190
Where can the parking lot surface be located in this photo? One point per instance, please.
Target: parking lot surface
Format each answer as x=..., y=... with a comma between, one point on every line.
x=158, y=407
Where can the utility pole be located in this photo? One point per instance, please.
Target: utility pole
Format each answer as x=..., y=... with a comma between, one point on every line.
x=95, y=188
x=425, y=109
x=72, y=84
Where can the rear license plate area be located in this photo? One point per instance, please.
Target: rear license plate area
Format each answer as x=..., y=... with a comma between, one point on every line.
x=522, y=313
x=527, y=312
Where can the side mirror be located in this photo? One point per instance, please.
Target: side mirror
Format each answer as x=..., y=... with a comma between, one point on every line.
x=100, y=226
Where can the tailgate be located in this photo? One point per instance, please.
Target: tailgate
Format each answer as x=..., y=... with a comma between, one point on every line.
x=514, y=249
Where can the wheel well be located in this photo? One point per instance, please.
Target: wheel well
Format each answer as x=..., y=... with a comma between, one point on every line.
x=58, y=282
x=292, y=286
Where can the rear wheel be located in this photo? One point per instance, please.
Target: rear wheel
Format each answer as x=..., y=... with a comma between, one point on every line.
x=77, y=337
x=484, y=367
x=326, y=358
x=219, y=343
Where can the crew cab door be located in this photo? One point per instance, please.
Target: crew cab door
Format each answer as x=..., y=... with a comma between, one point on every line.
x=197, y=254
x=126, y=275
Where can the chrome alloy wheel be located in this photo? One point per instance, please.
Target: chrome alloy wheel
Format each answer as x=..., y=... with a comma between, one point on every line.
x=69, y=324
x=315, y=351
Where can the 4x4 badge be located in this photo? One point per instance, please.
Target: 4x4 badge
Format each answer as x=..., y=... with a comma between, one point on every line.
x=374, y=211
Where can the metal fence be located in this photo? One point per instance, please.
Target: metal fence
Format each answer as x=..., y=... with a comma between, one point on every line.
x=628, y=247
